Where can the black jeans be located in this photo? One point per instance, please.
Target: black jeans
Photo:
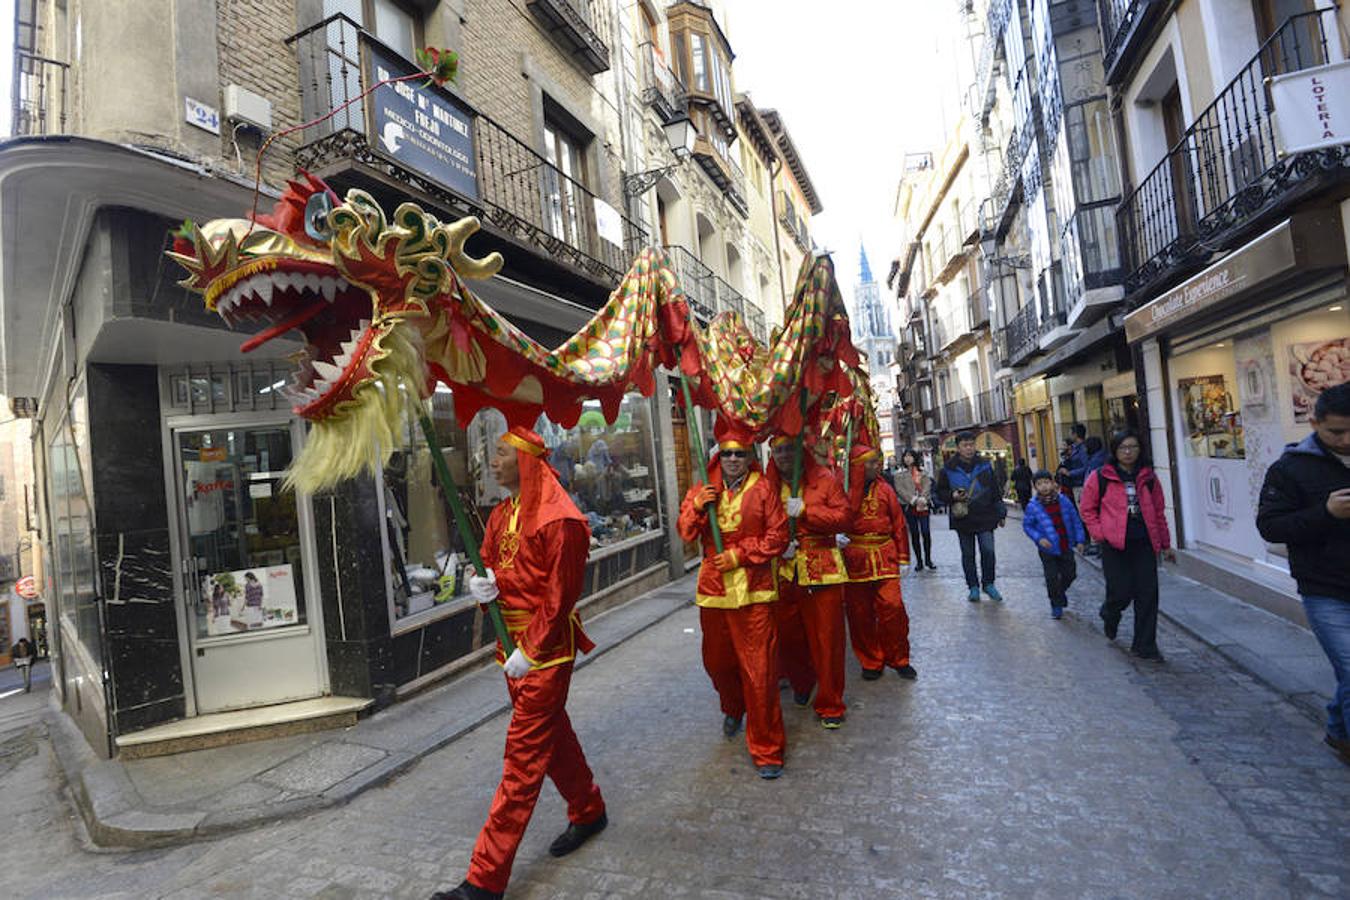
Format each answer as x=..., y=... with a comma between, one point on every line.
x=985, y=539
x=920, y=538
x=1132, y=576
x=1060, y=572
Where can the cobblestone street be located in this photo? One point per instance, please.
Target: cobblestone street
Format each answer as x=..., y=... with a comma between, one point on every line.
x=1032, y=758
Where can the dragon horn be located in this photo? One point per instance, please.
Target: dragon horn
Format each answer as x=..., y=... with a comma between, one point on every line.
x=459, y=232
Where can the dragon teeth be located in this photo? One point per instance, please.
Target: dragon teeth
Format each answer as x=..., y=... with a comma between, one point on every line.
x=328, y=287
x=327, y=371
x=264, y=290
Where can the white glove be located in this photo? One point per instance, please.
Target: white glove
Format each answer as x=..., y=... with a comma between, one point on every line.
x=516, y=664
x=841, y=541
x=483, y=588
x=794, y=506
x=791, y=550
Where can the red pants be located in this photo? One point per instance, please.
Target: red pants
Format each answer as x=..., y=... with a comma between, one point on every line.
x=811, y=642
x=878, y=625
x=740, y=655
x=539, y=741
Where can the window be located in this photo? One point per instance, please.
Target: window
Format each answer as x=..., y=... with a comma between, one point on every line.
x=651, y=30
x=608, y=470
x=700, y=63
x=564, y=183
x=395, y=25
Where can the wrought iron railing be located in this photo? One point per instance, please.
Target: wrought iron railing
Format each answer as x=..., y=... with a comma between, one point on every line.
x=728, y=298
x=1226, y=171
x=662, y=89
x=1002, y=357
x=991, y=406
x=794, y=225
x=754, y=320
x=582, y=27
x=950, y=327
x=958, y=413
x=1120, y=22
x=39, y=95
x=697, y=280
x=518, y=190
x=1022, y=334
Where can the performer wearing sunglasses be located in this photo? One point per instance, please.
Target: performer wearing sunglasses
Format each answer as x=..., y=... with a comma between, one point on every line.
x=736, y=591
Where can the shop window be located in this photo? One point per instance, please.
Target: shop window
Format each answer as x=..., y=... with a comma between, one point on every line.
x=608, y=470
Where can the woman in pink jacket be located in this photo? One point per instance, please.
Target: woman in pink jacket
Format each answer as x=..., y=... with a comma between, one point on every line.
x=1122, y=507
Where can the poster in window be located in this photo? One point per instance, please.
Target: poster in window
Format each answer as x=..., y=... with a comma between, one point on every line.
x=1213, y=426
x=1315, y=366
x=250, y=599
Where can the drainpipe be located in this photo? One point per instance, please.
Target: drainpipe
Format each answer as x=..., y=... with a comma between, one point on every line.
x=777, y=245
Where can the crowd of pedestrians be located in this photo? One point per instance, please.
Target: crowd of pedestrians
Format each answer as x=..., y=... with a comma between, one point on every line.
x=1105, y=498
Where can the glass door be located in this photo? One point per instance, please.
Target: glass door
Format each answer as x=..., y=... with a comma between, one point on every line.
x=244, y=575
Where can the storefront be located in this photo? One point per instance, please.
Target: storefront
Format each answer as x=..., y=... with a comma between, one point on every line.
x=1035, y=427
x=1235, y=358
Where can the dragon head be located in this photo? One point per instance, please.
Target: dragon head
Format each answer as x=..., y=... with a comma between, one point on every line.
x=351, y=283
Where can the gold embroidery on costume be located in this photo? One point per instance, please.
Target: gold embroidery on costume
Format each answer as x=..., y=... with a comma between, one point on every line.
x=508, y=545
x=729, y=505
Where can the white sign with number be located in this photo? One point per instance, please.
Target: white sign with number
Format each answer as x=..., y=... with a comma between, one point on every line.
x=204, y=117
x=1312, y=108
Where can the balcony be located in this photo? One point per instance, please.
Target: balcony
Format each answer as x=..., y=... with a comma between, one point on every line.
x=951, y=331
x=728, y=298
x=977, y=309
x=1226, y=177
x=958, y=414
x=1126, y=26
x=697, y=280
x=1054, y=329
x=578, y=26
x=754, y=320
x=662, y=89
x=474, y=167
x=992, y=406
x=714, y=156
x=1022, y=335
x=39, y=95
x=792, y=224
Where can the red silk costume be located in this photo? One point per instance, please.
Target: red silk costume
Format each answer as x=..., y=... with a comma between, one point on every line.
x=878, y=545
x=537, y=545
x=810, y=608
x=740, y=639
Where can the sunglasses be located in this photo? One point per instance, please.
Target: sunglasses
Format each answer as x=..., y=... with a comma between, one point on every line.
x=735, y=454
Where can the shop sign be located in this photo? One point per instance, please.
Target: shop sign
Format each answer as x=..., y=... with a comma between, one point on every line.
x=1031, y=395
x=1312, y=108
x=1268, y=255
x=423, y=128
x=212, y=454
x=26, y=587
x=1122, y=385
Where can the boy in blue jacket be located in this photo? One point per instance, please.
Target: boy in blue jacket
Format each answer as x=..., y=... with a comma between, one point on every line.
x=1052, y=521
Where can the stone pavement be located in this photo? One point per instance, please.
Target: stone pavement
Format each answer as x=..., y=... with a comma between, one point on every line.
x=1032, y=758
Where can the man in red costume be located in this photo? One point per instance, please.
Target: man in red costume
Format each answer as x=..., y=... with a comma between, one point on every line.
x=736, y=592
x=811, y=577
x=535, y=546
x=875, y=550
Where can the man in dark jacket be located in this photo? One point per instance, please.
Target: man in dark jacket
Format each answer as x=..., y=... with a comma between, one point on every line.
x=1305, y=504
x=973, y=496
x=1077, y=461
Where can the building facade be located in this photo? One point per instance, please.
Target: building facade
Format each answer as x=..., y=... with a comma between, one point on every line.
x=1233, y=251
x=183, y=579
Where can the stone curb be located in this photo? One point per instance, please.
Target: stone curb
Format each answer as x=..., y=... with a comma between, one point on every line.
x=117, y=816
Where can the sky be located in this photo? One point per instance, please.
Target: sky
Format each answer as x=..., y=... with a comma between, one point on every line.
x=856, y=90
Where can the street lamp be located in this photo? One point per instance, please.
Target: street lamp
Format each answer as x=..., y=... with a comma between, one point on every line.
x=680, y=135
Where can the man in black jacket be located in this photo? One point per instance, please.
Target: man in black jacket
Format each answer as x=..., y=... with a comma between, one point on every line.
x=1305, y=503
x=973, y=495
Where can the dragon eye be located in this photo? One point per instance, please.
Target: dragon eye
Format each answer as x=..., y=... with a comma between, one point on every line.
x=317, y=209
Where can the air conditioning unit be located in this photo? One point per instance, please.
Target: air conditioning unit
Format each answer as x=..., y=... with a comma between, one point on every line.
x=245, y=107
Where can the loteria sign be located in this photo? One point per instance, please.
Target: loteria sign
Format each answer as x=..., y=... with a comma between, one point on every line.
x=1312, y=108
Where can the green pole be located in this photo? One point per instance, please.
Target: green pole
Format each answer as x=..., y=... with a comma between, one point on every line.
x=696, y=445
x=848, y=448
x=451, y=491
x=797, y=460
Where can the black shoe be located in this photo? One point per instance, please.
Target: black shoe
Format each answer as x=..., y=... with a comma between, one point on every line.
x=802, y=699
x=769, y=773
x=1340, y=745
x=931, y=566
x=731, y=725
x=467, y=891
x=1109, y=626
x=1151, y=656
x=576, y=835
x=872, y=674
x=907, y=673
